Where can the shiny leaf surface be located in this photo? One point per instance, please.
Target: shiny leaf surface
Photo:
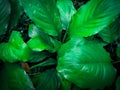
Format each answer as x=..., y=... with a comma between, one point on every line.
x=87, y=65
x=44, y=14
x=66, y=10
x=15, y=49
x=92, y=17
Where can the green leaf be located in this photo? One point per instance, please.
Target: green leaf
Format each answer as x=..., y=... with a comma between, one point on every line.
x=45, y=42
x=87, y=65
x=47, y=80
x=16, y=11
x=92, y=17
x=48, y=62
x=64, y=84
x=44, y=14
x=13, y=77
x=38, y=56
x=118, y=83
x=15, y=49
x=118, y=50
x=5, y=10
x=112, y=32
x=38, y=44
x=67, y=10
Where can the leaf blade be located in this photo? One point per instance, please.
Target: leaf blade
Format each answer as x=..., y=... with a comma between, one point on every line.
x=92, y=17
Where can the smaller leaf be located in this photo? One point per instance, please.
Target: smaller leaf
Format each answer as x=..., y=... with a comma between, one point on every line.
x=15, y=49
x=48, y=62
x=38, y=56
x=38, y=44
x=47, y=80
x=67, y=10
x=118, y=83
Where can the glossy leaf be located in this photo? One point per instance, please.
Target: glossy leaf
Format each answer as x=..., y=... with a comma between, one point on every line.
x=87, y=65
x=92, y=17
x=16, y=11
x=112, y=32
x=118, y=83
x=47, y=80
x=44, y=14
x=13, y=77
x=67, y=10
x=118, y=50
x=15, y=49
x=5, y=10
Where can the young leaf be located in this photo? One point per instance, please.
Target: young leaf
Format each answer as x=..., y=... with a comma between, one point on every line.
x=118, y=83
x=44, y=14
x=112, y=32
x=5, y=10
x=87, y=65
x=47, y=80
x=38, y=44
x=66, y=9
x=16, y=11
x=92, y=17
x=44, y=41
x=15, y=49
x=13, y=77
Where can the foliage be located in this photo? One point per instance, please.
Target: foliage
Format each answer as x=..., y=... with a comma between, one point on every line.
x=59, y=45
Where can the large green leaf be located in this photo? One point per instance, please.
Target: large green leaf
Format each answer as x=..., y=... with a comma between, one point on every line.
x=16, y=11
x=87, y=65
x=118, y=83
x=15, y=49
x=92, y=17
x=47, y=80
x=66, y=10
x=13, y=77
x=5, y=10
x=44, y=13
x=112, y=32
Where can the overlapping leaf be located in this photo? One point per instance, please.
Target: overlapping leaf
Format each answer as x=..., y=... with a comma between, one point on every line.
x=112, y=32
x=5, y=10
x=13, y=77
x=16, y=11
x=44, y=13
x=87, y=65
x=15, y=49
x=47, y=80
x=41, y=41
x=66, y=10
x=92, y=17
